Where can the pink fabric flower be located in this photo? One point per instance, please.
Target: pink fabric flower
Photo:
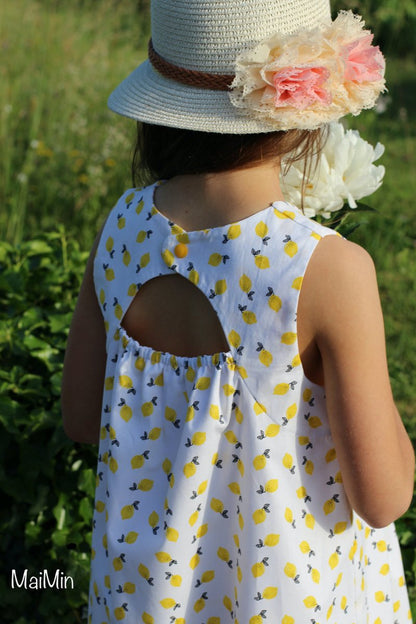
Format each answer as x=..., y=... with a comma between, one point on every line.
x=301, y=86
x=363, y=62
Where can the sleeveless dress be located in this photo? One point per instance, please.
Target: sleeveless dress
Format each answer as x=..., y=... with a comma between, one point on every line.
x=219, y=496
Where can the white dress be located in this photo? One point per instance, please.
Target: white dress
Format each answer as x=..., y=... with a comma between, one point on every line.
x=219, y=495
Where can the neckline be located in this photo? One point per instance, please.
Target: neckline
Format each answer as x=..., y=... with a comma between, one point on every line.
x=276, y=205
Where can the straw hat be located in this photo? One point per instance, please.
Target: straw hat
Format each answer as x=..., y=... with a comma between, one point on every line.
x=213, y=65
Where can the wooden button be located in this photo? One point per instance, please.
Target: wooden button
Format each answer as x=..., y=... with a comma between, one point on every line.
x=181, y=250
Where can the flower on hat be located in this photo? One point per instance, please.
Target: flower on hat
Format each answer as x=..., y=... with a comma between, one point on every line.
x=310, y=77
x=343, y=174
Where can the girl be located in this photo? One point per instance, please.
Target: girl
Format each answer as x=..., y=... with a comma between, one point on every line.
x=227, y=353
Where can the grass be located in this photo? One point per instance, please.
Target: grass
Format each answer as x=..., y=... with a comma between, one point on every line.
x=63, y=154
x=64, y=158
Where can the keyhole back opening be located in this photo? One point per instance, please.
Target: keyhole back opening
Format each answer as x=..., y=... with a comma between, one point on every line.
x=170, y=314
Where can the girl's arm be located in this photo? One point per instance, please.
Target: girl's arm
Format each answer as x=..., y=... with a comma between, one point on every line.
x=84, y=364
x=340, y=301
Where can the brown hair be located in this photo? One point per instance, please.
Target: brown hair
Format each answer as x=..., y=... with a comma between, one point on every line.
x=162, y=152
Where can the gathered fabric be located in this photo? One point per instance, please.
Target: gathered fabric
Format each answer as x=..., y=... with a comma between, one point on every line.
x=219, y=496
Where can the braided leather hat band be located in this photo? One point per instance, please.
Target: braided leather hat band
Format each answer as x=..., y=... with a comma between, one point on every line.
x=189, y=77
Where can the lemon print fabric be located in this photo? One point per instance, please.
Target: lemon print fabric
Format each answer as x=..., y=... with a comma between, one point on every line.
x=219, y=496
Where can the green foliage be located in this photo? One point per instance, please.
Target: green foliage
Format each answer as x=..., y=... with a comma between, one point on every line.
x=46, y=481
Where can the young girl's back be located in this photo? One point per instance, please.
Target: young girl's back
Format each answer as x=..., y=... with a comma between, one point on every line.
x=220, y=494
x=248, y=439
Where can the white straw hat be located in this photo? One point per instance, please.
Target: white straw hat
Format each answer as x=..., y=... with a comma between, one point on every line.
x=226, y=40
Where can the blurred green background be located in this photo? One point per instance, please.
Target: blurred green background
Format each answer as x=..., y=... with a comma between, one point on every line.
x=64, y=160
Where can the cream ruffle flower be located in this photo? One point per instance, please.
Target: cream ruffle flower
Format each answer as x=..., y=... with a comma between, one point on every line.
x=310, y=77
x=344, y=174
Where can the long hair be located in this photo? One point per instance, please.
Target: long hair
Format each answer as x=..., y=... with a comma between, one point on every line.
x=162, y=152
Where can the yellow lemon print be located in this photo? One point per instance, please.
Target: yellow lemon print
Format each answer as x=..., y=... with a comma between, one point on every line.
x=245, y=283
x=281, y=388
x=126, y=257
x=168, y=603
x=291, y=248
x=261, y=229
x=126, y=413
x=118, y=563
x=262, y=262
x=163, y=557
x=340, y=527
x=147, y=619
x=147, y=408
x=223, y=554
x=109, y=274
x=189, y=470
x=125, y=381
x=265, y=357
x=309, y=467
x=235, y=488
x=275, y=303
x=297, y=283
x=145, y=485
x=271, y=485
x=287, y=461
x=208, y=576
x=290, y=570
x=259, y=516
x=288, y=338
x=127, y=512
x=330, y=456
x=199, y=438
x=288, y=515
x=172, y=534
x=259, y=408
x=272, y=539
x=329, y=506
x=203, y=530
x=215, y=259
x=193, y=518
x=310, y=602
x=132, y=290
x=203, y=383
x=333, y=560
x=258, y=569
x=168, y=257
x=113, y=465
x=119, y=613
x=249, y=317
x=129, y=588
x=176, y=580
x=234, y=231
x=109, y=245
x=118, y=311
x=193, y=563
x=141, y=236
x=220, y=287
x=231, y=437
x=131, y=537
x=217, y=505
x=269, y=593
x=193, y=277
x=259, y=462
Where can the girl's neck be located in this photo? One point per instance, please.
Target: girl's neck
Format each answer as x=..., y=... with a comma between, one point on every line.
x=203, y=201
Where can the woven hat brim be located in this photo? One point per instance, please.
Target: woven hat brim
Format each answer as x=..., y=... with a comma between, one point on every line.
x=149, y=97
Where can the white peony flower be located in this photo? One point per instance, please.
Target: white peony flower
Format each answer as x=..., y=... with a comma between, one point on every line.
x=343, y=174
